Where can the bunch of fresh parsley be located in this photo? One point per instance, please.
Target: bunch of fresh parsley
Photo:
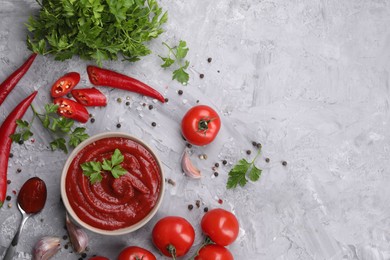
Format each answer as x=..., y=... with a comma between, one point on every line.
x=94, y=170
x=95, y=29
x=176, y=55
x=59, y=126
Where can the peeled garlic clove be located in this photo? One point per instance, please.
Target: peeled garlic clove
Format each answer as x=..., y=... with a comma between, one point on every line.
x=46, y=248
x=77, y=236
x=188, y=167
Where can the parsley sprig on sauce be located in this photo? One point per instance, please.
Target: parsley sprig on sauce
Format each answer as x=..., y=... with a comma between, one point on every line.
x=94, y=170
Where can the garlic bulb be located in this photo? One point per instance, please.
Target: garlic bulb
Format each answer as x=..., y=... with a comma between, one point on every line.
x=46, y=248
x=187, y=166
x=77, y=236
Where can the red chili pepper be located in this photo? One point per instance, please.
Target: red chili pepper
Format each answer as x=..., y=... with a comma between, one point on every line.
x=65, y=84
x=71, y=109
x=6, y=129
x=89, y=97
x=103, y=77
x=13, y=79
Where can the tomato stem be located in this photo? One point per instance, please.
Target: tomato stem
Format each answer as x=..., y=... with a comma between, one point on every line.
x=203, y=124
x=172, y=250
x=207, y=241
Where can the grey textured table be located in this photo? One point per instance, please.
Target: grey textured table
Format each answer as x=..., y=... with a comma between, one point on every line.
x=308, y=79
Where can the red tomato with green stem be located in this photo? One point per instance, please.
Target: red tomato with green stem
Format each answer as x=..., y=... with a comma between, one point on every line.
x=221, y=226
x=135, y=253
x=173, y=236
x=65, y=84
x=200, y=125
x=214, y=252
x=71, y=109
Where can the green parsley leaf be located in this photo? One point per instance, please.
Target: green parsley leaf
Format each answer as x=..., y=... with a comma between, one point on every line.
x=179, y=53
x=118, y=171
x=77, y=136
x=16, y=137
x=60, y=144
x=26, y=135
x=238, y=174
x=22, y=123
x=117, y=157
x=51, y=108
x=114, y=166
x=181, y=75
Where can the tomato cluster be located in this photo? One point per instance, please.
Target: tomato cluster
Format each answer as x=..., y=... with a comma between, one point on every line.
x=174, y=236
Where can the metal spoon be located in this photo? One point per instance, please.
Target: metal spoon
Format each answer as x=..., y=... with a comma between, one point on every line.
x=12, y=248
x=31, y=200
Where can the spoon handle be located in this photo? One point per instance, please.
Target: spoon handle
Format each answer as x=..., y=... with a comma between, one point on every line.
x=9, y=255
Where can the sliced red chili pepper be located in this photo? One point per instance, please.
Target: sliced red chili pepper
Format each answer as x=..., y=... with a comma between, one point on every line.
x=89, y=97
x=6, y=129
x=103, y=77
x=13, y=79
x=71, y=109
x=65, y=84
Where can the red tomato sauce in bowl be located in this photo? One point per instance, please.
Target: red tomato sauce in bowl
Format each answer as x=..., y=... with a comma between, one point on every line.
x=114, y=203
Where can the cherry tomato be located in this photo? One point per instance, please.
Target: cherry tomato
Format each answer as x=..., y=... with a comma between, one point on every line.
x=221, y=226
x=135, y=253
x=71, y=109
x=89, y=97
x=65, y=84
x=172, y=234
x=98, y=258
x=214, y=252
x=200, y=125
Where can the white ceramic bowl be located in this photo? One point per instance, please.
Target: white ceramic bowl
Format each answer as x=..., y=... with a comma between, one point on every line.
x=120, y=231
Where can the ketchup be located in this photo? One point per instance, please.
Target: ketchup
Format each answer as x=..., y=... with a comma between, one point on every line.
x=32, y=195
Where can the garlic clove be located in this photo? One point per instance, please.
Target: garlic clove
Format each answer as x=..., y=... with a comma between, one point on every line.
x=46, y=247
x=78, y=237
x=188, y=167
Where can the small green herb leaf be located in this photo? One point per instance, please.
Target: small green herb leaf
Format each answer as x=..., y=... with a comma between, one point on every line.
x=117, y=157
x=22, y=123
x=118, y=171
x=181, y=50
x=16, y=137
x=181, y=75
x=77, y=136
x=107, y=165
x=238, y=174
x=254, y=173
x=51, y=108
x=167, y=62
x=60, y=144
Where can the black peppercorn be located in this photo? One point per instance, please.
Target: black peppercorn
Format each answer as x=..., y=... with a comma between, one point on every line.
x=127, y=103
x=258, y=145
x=216, y=174
x=83, y=255
x=65, y=237
x=284, y=163
x=20, y=142
x=118, y=125
x=150, y=107
x=216, y=165
x=267, y=160
x=166, y=99
x=190, y=207
x=201, y=76
x=209, y=60
x=180, y=92
x=224, y=162
x=92, y=120
x=8, y=198
x=154, y=124
x=11, y=155
x=8, y=181
x=206, y=209
x=189, y=145
x=248, y=152
x=19, y=170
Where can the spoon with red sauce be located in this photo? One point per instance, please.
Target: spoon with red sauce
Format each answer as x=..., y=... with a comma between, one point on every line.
x=31, y=200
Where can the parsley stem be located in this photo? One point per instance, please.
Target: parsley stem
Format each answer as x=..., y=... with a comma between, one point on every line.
x=257, y=155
